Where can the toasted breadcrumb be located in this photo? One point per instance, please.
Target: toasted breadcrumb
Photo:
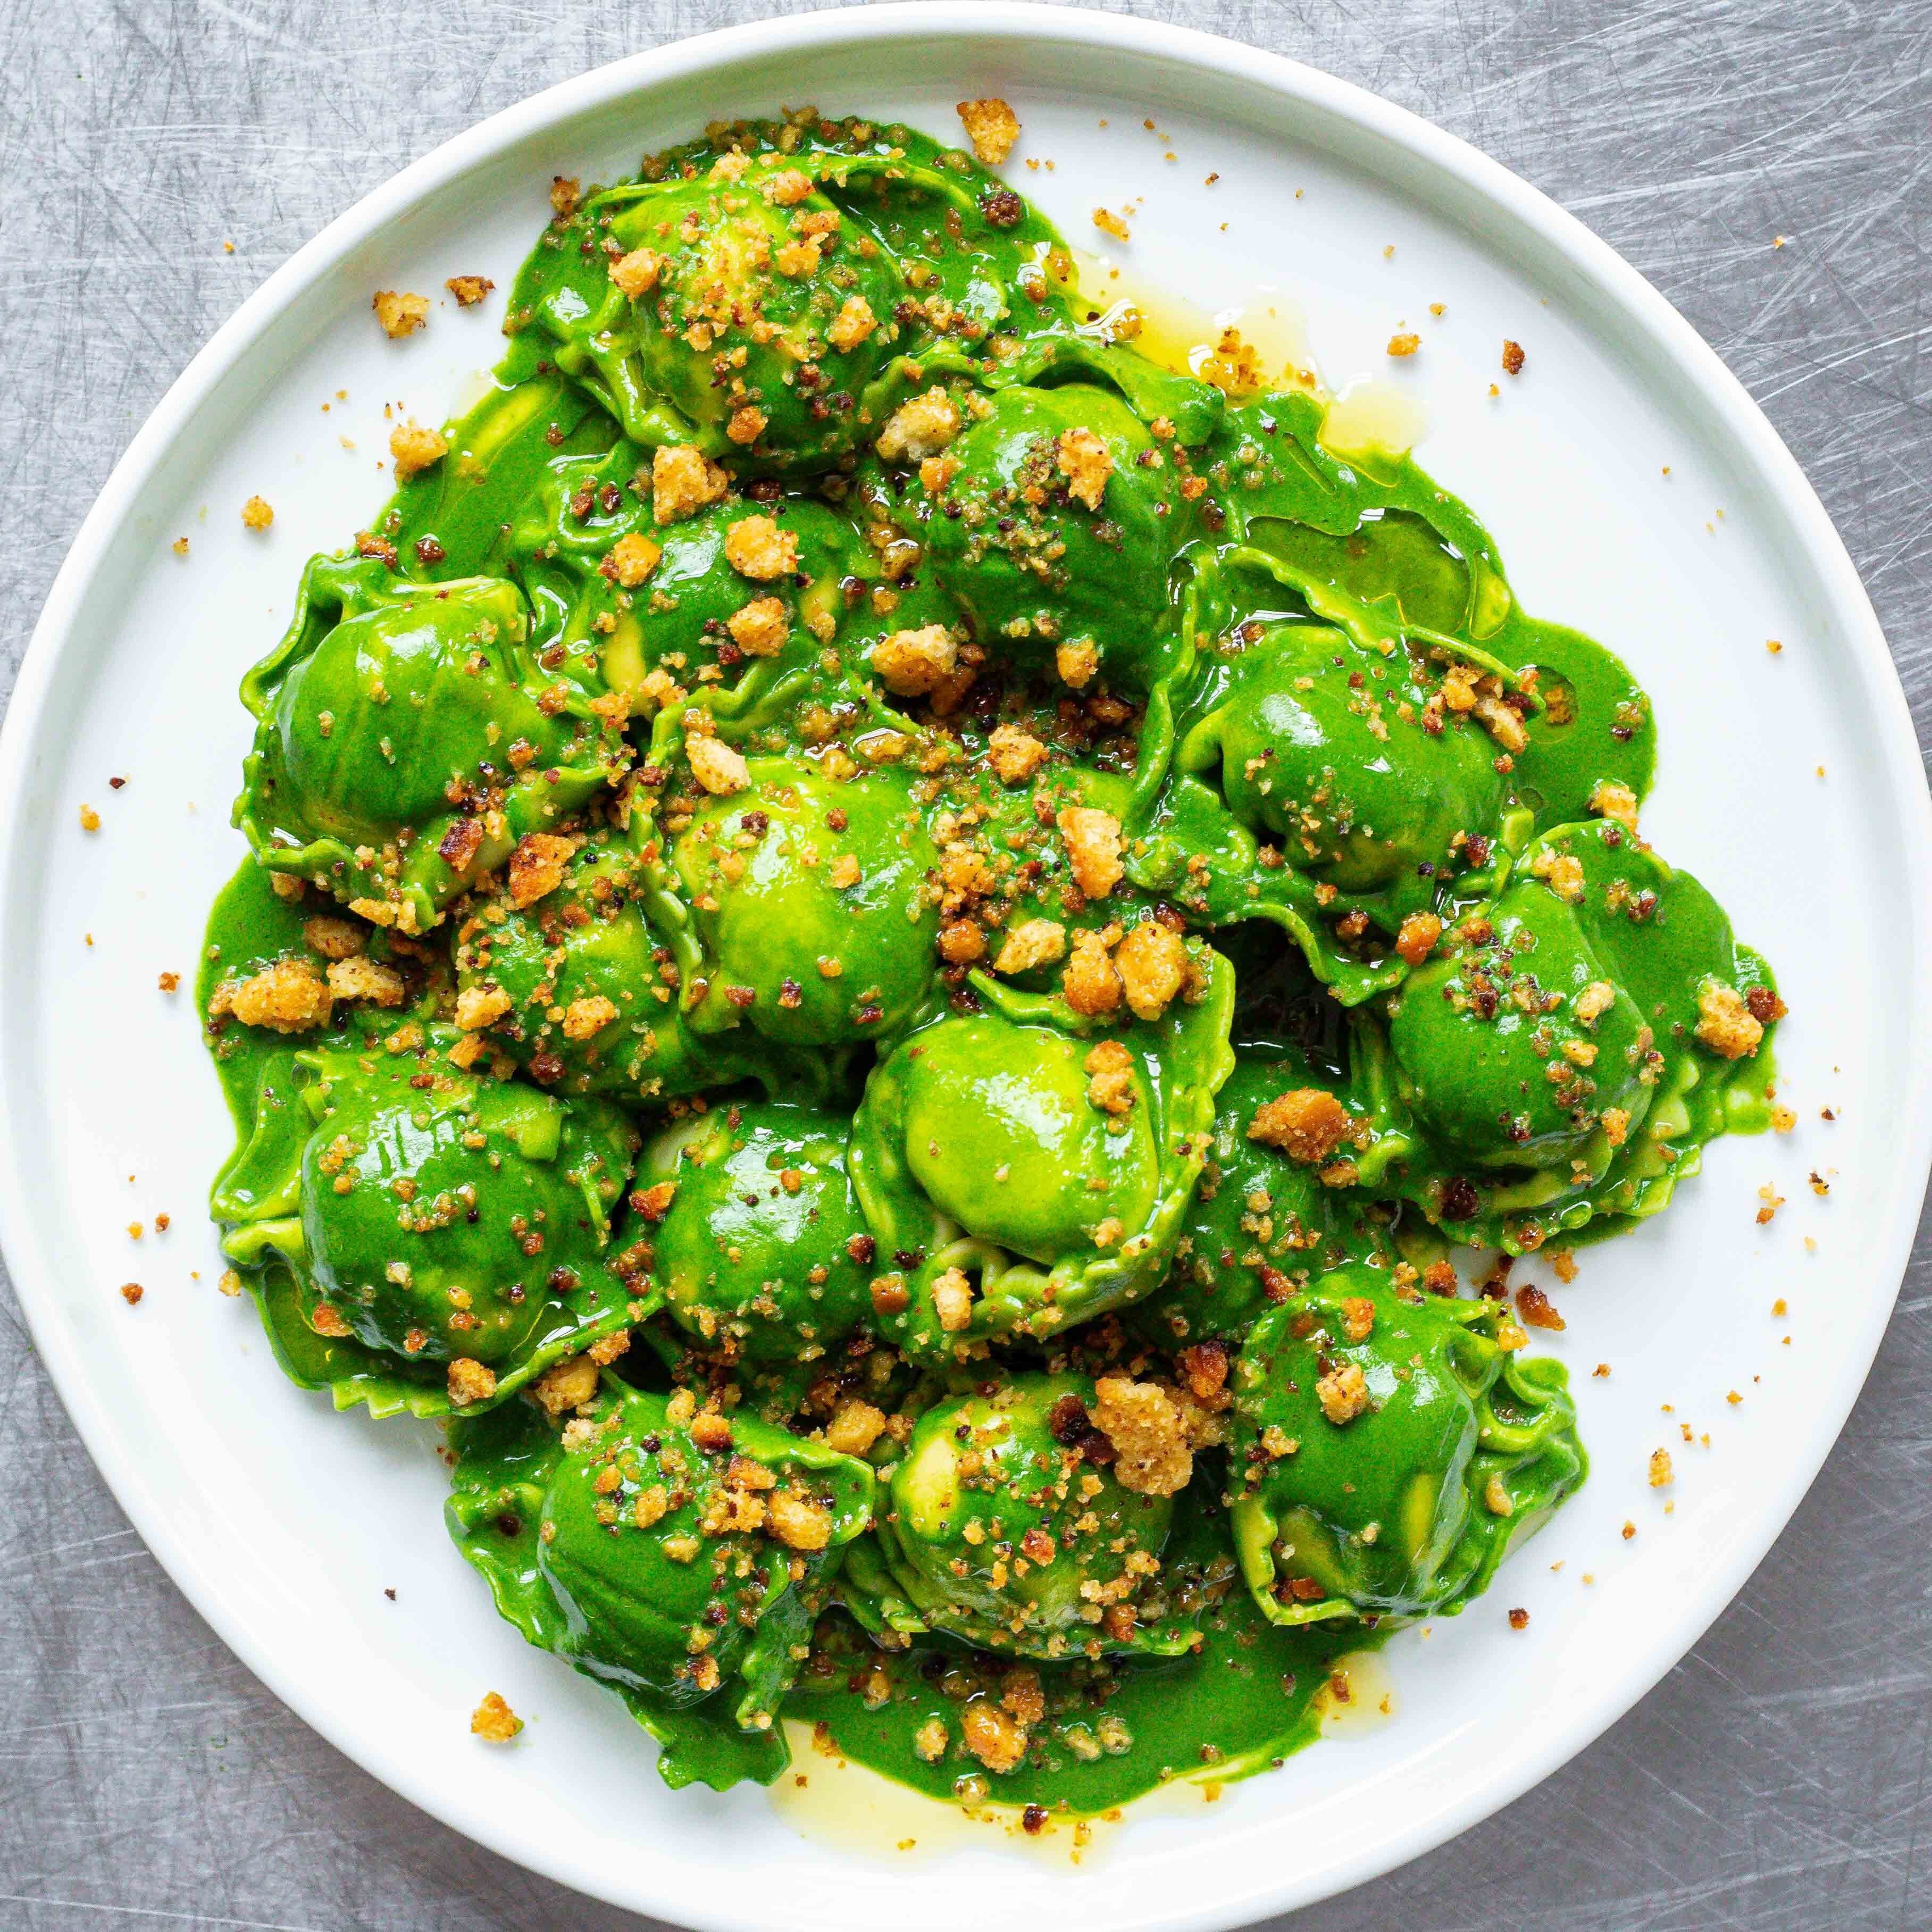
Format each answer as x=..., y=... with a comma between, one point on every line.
x=798, y=1522
x=911, y=663
x=756, y=548
x=1536, y=1308
x=1110, y=1084
x=334, y=938
x=493, y=1720
x=796, y=260
x=952, y=1301
x=720, y=769
x=1091, y=984
x=1149, y=1434
x=636, y=273
x=1358, y=1318
x=1343, y=1392
x=1661, y=1475
x=1405, y=342
x=90, y=819
x=257, y=513
x=1612, y=800
x=1076, y=660
x=1512, y=358
x=631, y=559
x=470, y=1382
x=364, y=979
x=468, y=290
x=997, y=1741
x=746, y=426
x=962, y=942
x=992, y=127
x=919, y=428
x=1093, y=848
x=537, y=866
x=760, y=628
x=1036, y=942
x=400, y=314
x=787, y=188
x=1085, y=459
x=1021, y=1694
x=1562, y=872
x=1108, y=223
x=1014, y=754
x=1725, y=1023
x=566, y=193
x=683, y=480
x=1153, y=963
x=289, y=997
x=854, y=323
x=479, y=1006
x=1307, y=1124
x=855, y=1428
x=415, y=448
x=585, y=1018
x=566, y=1384
x=1416, y=939
x=1594, y=1001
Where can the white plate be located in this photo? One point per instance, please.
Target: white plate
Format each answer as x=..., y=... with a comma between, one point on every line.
x=284, y=1522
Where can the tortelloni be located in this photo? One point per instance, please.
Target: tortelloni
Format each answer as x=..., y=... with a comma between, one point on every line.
x=617, y=1542
x=811, y=900
x=1264, y=1214
x=1012, y=1523
x=1051, y=519
x=733, y=307
x=434, y=1226
x=1024, y=1173
x=574, y=984
x=402, y=744
x=1377, y=790
x=636, y=596
x=762, y=1254
x=1389, y=1446
x=1576, y=1041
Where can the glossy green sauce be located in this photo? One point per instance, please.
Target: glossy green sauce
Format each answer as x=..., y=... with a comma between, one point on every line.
x=884, y=947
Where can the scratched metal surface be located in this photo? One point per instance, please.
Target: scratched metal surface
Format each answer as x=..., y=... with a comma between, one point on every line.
x=1777, y=1780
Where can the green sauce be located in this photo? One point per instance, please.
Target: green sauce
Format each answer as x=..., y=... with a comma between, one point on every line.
x=884, y=947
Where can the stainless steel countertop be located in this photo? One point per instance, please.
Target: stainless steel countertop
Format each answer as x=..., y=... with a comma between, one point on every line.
x=1776, y=1780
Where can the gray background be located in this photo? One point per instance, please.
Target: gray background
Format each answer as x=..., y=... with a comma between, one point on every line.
x=1777, y=1779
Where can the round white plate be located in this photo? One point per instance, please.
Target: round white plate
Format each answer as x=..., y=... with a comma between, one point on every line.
x=1790, y=782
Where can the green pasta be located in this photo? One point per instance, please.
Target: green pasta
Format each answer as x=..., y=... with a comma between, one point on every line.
x=886, y=949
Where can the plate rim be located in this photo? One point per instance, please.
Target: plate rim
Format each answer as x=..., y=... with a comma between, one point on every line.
x=1620, y=288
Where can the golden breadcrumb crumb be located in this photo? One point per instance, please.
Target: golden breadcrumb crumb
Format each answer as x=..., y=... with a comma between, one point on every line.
x=1307, y=1124
x=992, y=127
x=720, y=769
x=1036, y=942
x=683, y=480
x=1152, y=1457
x=756, y=548
x=493, y=1720
x=400, y=314
x=911, y=663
